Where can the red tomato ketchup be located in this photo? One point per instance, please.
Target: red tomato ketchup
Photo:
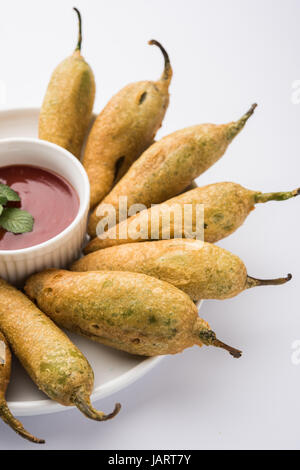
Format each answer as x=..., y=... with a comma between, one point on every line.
x=50, y=199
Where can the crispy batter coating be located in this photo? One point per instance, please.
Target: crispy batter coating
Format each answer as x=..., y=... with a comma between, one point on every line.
x=226, y=206
x=124, y=129
x=201, y=270
x=67, y=108
x=5, y=413
x=53, y=362
x=128, y=311
x=168, y=166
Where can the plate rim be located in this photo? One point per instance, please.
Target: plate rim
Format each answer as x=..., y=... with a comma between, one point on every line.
x=48, y=406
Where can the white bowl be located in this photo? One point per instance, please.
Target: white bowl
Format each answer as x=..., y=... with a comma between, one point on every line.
x=59, y=251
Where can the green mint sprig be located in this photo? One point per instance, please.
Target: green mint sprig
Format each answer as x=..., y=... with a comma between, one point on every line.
x=13, y=219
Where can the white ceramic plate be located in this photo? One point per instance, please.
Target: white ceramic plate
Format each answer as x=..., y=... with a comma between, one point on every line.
x=113, y=369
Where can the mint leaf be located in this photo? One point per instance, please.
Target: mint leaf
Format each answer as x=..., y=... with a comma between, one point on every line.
x=1, y=209
x=9, y=193
x=16, y=220
x=3, y=200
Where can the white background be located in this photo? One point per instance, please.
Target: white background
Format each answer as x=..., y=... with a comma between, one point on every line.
x=226, y=55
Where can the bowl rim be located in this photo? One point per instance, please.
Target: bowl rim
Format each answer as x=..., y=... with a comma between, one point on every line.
x=83, y=202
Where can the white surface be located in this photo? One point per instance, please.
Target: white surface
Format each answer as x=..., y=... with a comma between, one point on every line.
x=61, y=250
x=225, y=55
